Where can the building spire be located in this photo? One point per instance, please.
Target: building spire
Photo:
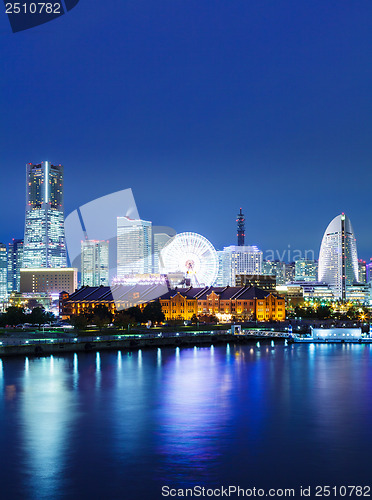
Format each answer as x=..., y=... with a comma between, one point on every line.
x=241, y=228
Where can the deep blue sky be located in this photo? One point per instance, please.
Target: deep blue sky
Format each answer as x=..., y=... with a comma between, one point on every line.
x=201, y=107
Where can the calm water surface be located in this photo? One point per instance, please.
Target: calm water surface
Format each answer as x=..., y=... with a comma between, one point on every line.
x=121, y=425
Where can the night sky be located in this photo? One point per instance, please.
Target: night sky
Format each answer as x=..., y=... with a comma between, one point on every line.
x=201, y=107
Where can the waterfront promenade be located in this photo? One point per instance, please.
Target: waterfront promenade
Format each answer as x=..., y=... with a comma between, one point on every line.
x=45, y=345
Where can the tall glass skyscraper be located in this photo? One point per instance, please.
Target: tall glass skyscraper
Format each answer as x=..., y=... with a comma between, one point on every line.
x=15, y=262
x=338, y=258
x=44, y=242
x=95, y=263
x=134, y=246
x=3, y=271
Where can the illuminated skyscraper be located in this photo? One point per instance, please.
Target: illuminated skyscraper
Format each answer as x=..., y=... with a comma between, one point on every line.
x=15, y=259
x=44, y=242
x=239, y=260
x=3, y=271
x=275, y=268
x=338, y=258
x=290, y=272
x=369, y=271
x=362, y=270
x=306, y=270
x=134, y=242
x=224, y=269
x=95, y=263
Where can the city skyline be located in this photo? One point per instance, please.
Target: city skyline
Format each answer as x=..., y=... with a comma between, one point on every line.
x=185, y=249
x=138, y=251
x=279, y=118
x=288, y=253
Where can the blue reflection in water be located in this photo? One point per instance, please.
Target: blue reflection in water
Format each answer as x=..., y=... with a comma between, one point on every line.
x=140, y=359
x=115, y=425
x=119, y=361
x=98, y=371
x=45, y=414
x=75, y=370
x=194, y=413
x=227, y=351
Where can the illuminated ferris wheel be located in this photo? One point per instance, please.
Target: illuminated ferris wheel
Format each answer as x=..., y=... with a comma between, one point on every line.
x=193, y=255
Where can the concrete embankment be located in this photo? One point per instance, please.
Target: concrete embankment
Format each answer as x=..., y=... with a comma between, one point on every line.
x=46, y=348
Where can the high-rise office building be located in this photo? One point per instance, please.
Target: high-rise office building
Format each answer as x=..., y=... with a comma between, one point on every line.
x=3, y=272
x=134, y=246
x=338, y=258
x=306, y=270
x=362, y=271
x=15, y=259
x=95, y=263
x=238, y=260
x=44, y=242
x=224, y=269
x=369, y=271
x=160, y=240
x=290, y=272
x=275, y=268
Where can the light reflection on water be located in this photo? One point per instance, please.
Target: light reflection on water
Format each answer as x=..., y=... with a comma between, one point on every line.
x=75, y=371
x=46, y=410
x=121, y=424
x=98, y=371
x=193, y=413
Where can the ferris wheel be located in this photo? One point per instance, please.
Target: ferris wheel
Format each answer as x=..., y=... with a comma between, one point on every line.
x=193, y=255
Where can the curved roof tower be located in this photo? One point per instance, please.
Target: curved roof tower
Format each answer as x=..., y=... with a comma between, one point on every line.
x=338, y=258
